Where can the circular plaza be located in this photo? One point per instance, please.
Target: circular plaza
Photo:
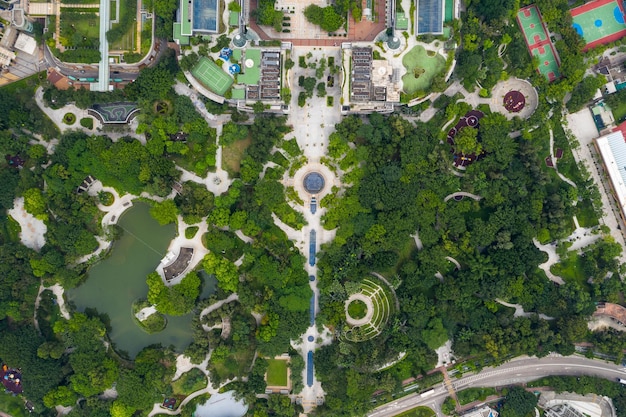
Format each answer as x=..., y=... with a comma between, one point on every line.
x=514, y=98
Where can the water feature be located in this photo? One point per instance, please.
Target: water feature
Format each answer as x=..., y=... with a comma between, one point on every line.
x=114, y=283
x=221, y=405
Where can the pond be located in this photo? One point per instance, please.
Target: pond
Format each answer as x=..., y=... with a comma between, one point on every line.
x=115, y=282
x=221, y=405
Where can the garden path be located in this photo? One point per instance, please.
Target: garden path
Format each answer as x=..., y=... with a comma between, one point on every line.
x=556, y=166
x=553, y=258
x=584, y=130
x=519, y=310
x=462, y=194
x=33, y=230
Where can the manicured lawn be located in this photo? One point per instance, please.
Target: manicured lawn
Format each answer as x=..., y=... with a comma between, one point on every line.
x=277, y=373
x=127, y=41
x=585, y=214
x=79, y=29
x=232, y=155
x=619, y=112
x=421, y=69
x=418, y=412
x=189, y=382
x=570, y=268
x=357, y=309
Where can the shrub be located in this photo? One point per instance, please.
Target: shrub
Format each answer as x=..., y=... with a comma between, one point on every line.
x=69, y=119
x=86, y=122
x=190, y=232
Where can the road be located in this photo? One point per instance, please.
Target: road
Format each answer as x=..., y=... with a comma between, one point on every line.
x=517, y=371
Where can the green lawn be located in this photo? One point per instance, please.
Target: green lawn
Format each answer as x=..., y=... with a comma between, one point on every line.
x=128, y=11
x=80, y=29
x=570, y=269
x=418, y=412
x=422, y=67
x=357, y=309
x=189, y=382
x=232, y=155
x=619, y=111
x=585, y=214
x=277, y=372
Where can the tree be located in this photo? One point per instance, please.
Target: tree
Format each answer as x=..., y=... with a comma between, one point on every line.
x=519, y=403
x=176, y=300
x=493, y=9
x=225, y=271
x=164, y=212
x=584, y=92
x=258, y=107
x=435, y=335
x=466, y=141
x=62, y=395
x=232, y=132
x=327, y=18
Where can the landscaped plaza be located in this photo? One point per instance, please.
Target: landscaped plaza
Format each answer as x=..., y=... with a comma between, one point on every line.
x=349, y=209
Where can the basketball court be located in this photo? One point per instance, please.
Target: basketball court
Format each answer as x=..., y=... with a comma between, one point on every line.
x=599, y=22
x=538, y=41
x=212, y=76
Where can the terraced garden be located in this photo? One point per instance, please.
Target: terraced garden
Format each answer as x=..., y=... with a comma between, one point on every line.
x=381, y=308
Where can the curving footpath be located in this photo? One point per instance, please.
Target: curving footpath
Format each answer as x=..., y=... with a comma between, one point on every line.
x=553, y=258
x=462, y=194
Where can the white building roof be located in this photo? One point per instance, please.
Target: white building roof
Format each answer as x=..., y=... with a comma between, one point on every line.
x=26, y=44
x=6, y=56
x=612, y=148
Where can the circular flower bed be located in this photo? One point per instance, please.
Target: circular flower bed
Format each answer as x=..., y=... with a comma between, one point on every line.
x=69, y=118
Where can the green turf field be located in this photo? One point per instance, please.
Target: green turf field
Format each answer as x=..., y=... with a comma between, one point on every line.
x=212, y=76
x=538, y=42
x=599, y=22
x=250, y=75
x=277, y=373
x=532, y=28
x=548, y=65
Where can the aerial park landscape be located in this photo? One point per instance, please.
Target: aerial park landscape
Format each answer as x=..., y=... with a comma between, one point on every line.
x=275, y=208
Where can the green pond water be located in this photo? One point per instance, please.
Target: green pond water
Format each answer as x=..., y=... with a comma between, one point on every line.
x=114, y=283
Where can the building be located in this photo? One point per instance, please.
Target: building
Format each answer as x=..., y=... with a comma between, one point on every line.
x=614, y=69
x=6, y=56
x=374, y=84
x=612, y=149
x=563, y=410
x=26, y=44
x=430, y=16
x=196, y=17
x=484, y=411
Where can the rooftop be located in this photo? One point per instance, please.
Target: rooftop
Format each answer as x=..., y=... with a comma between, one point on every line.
x=430, y=15
x=612, y=148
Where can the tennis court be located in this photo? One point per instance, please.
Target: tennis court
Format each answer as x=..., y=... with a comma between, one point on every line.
x=538, y=41
x=212, y=76
x=599, y=22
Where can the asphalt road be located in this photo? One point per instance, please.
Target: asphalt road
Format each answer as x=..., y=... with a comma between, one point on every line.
x=517, y=371
x=128, y=72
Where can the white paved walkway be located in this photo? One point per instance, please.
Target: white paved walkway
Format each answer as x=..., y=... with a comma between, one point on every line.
x=583, y=128
x=33, y=230
x=103, y=68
